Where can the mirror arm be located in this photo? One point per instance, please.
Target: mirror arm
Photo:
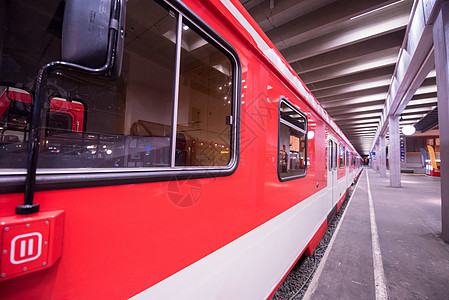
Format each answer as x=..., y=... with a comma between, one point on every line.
x=29, y=207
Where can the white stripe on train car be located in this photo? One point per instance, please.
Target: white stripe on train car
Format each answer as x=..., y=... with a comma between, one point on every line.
x=251, y=266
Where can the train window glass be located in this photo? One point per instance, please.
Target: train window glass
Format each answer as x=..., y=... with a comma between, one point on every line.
x=341, y=156
x=203, y=136
x=347, y=158
x=127, y=123
x=330, y=155
x=15, y=115
x=334, y=156
x=292, y=142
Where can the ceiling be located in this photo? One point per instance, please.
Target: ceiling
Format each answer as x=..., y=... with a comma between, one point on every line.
x=345, y=51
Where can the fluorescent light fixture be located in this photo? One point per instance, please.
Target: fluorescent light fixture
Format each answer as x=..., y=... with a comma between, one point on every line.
x=377, y=9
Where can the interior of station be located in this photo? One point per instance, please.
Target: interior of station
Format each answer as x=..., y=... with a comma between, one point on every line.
x=375, y=67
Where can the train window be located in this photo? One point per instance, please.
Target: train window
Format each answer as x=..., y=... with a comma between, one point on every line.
x=292, y=154
x=173, y=107
x=341, y=156
x=205, y=95
x=334, y=156
x=347, y=158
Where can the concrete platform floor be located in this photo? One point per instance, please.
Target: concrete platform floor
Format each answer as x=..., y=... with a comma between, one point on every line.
x=412, y=260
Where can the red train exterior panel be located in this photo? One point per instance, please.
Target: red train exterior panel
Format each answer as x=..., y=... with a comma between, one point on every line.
x=191, y=237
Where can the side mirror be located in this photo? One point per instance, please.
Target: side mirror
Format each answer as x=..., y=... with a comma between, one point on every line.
x=93, y=34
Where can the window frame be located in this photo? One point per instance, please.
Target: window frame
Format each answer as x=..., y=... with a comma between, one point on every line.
x=47, y=179
x=333, y=149
x=284, y=100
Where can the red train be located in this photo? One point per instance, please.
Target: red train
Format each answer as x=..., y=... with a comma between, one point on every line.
x=157, y=150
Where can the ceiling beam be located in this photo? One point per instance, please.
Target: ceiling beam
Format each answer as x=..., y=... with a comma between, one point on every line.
x=374, y=108
x=321, y=20
x=370, y=62
x=356, y=31
x=362, y=106
x=391, y=40
x=353, y=78
x=354, y=100
x=357, y=116
x=361, y=121
x=376, y=93
x=356, y=87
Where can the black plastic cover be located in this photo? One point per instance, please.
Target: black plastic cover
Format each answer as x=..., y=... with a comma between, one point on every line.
x=85, y=32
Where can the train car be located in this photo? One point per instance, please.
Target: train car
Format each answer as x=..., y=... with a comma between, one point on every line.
x=157, y=150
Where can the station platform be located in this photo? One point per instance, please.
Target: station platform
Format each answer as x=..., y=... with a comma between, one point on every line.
x=405, y=258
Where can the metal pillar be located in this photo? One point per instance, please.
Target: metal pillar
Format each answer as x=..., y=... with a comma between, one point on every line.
x=395, y=152
x=441, y=44
x=376, y=162
x=382, y=157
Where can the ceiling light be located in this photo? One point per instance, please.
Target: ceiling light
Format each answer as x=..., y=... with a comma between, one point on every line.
x=408, y=130
x=377, y=9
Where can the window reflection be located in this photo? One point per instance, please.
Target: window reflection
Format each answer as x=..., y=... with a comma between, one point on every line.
x=203, y=134
x=292, y=142
x=125, y=123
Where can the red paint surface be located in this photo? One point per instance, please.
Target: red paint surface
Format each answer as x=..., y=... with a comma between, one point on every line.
x=316, y=239
x=120, y=240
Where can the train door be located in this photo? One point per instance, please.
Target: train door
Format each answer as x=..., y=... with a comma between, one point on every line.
x=332, y=172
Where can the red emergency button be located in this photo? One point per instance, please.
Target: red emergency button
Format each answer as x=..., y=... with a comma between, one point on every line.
x=30, y=243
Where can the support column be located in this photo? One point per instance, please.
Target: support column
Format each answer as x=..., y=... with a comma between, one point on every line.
x=441, y=43
x=382, y=157
x=376, y=162
x=395, y=152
